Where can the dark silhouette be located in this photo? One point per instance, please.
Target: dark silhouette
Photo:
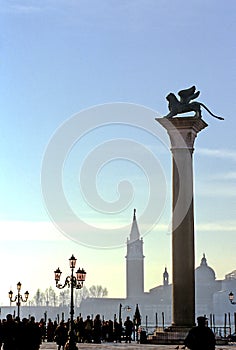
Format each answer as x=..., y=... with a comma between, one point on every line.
x=61, y=335
x=128, y=329
x=97, y=329
x=88, y=329
x=43, y=329
x=9, y=333
x=79, y=329
x=137, y=320
x=34, y=334
x=200, y=337
x=23, y=341
x=50, y=330
x=117, y=331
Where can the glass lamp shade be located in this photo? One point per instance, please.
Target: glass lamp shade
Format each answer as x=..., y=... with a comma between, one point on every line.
x=80, y=275
x=10, y=294
x=18, y=286
x=26, y=295
x=231, y=296
x=57, y=273
x=72, y=261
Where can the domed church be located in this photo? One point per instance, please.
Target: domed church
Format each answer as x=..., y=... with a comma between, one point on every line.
x=205, y=285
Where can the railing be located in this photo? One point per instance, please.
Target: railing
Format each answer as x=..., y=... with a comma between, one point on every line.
x=221, y=332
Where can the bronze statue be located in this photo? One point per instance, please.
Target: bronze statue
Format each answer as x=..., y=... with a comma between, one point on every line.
x=185, y=105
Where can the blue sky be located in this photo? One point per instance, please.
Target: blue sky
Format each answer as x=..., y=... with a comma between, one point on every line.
x=61, y=58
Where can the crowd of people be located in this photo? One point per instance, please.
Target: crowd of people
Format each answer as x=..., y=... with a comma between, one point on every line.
x=27, y=334
x=95, y=331
x=16, y=334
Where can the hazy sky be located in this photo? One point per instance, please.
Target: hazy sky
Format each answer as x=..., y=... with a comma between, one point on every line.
x=81, y=85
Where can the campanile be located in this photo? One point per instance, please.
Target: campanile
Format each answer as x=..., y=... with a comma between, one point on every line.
x=134, y=262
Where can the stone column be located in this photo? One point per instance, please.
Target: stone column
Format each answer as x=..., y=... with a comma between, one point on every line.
x=182, y=132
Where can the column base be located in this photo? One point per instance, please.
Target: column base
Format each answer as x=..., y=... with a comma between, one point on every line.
x=170, y=335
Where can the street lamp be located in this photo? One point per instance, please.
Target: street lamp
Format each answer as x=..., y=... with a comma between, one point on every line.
x=18, y=298
x=71, y=282
x=231, y=298
x=126, y=308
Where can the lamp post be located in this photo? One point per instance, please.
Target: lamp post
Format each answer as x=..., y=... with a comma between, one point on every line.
x=231, y=298
x=18, y=298
x=71, y=282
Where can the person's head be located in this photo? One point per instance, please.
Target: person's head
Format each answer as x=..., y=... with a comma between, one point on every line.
x=201, y=321
x=24, y=320
x=32, y=319
x=9, y=317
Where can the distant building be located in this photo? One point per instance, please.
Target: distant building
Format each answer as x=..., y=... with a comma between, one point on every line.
x=134, y=263
x=155, y=305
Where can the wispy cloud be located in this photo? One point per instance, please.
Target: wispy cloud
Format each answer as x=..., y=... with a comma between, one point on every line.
x=21, y=7
x=210, y=189
x=227, y=226
x=22, y=230
x=24, y=9
x=231, y=175
x=218, y=153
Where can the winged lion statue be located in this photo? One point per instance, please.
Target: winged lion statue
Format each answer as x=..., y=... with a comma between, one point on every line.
x=183, y=104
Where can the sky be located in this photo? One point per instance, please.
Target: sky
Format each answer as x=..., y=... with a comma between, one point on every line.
x=81, y=85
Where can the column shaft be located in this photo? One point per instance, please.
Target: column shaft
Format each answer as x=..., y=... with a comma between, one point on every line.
x=183, y=239
x=182, y=133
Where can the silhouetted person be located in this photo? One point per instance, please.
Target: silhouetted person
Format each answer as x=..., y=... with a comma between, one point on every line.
x=9, y=333
x=97, y=329
x=88, y=329
x=34, y=334
x=105, y=330
x=50, y=330
x=43, y=329
x=22, y=335
x=117, y=331
x=110, y=331
x=79, y=329
x=61, y=335
x=128, y=329
x=200, y=337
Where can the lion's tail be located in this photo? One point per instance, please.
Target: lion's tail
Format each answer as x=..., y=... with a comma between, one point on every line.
x=213, y=115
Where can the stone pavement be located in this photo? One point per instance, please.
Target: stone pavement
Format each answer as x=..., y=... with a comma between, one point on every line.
x=124, y=346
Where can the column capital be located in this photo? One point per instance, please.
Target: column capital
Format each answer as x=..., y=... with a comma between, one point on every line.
x=182, y=130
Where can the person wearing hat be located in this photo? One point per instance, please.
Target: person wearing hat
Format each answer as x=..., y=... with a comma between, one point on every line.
x=200, y=337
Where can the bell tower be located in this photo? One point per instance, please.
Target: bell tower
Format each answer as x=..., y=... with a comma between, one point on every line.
x=134, y=262
x=165, y=278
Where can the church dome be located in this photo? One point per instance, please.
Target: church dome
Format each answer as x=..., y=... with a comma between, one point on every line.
x=204, y=273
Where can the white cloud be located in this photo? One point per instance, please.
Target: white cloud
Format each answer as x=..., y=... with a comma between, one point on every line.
x=218, y=153
x=211, y=190
x=20, y=8
x=46, y=231
x=225, y=176
x=227, y=226
x=31, y=231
